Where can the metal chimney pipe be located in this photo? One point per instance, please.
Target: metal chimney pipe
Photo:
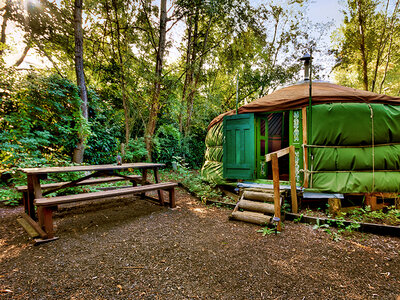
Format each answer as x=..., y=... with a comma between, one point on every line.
x=306, y=58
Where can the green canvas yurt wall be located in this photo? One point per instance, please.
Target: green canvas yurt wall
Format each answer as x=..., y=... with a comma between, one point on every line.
x=212, y=170
x=355, y=148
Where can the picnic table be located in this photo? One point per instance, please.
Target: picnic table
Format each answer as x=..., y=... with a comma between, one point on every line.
x=34, y=191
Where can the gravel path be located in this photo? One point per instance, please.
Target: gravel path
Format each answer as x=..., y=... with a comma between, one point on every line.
x=124, y=249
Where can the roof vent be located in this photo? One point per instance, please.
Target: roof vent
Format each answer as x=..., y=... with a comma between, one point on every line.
x=306, y=57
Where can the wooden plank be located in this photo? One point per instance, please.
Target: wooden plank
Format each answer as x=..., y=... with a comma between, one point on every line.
x=277, y=198
x=72, y=183
x=90, y=168
x=279, y=153
x=84, y=182
x=293, y=191
x=305, y=157
x=28, y=228
x=103, y=194
x=35, y=225
x=157, y=180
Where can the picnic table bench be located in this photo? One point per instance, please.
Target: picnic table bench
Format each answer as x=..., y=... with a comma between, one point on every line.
x=34, y=192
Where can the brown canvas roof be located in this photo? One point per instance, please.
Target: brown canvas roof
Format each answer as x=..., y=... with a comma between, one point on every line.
x=296, y=96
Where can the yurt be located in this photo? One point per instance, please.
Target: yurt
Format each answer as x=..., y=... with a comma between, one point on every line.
x=346, y=140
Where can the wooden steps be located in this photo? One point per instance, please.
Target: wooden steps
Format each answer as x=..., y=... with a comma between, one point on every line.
x=251, y=217
x=255, y=206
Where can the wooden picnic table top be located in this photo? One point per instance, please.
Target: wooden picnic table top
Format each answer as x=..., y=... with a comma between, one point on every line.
x=46, y=170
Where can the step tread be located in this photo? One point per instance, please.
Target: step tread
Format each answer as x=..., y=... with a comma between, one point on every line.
x=263, y=207
x=251, y=217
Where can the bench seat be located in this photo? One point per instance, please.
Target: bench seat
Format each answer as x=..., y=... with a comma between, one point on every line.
x=46, y=205
x=93, y=181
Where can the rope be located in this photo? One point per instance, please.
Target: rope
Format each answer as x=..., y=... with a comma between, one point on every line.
x=345, y=171
x=354, y=146
x=373, y=147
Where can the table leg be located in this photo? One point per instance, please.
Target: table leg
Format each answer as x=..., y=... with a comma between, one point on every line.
x=34, y=191
x=46, y=220
x=172, y=203
x=160, y=192
x=144, y=179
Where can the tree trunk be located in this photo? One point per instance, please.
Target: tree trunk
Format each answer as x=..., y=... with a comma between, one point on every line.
x=381, y=47
x=194, y=86
x=122, y=78
x=80, y=78
x=155, y=102
x=361, y=20
x=390, y=46
x=6, y=16
x=23, y=55
x=187, y=75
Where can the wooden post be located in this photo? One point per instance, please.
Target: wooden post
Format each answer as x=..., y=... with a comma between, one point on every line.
x=304, y=123
x=47, y=217
x=172, y=203
x=335, y=206
x=293, y=191
x=35, y=226
x=160, y=192
x=371, y=201
x=277, y=196
x=144, y=179
x=34, y=191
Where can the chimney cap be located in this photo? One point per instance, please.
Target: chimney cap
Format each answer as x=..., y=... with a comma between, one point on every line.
x=306, y=57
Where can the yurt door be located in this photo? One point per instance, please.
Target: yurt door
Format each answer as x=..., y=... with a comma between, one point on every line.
x=261, y=146
x=239, y=142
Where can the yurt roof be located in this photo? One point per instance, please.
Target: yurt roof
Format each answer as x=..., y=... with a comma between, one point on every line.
x=297, y=96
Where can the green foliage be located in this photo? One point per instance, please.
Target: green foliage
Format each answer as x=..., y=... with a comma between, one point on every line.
x=194, y=183
x=106, y=127
x=10, y=197
x=319, y=225
x=298, y=220
x=38, y=122
x=167, y=143
x=367, y=47
x=136, y=151
x=389, y=215
x=267, y=230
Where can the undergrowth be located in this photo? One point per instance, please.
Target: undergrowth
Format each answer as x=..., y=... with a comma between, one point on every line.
x=192, y=180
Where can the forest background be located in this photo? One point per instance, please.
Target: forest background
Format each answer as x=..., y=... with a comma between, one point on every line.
x=118, y=78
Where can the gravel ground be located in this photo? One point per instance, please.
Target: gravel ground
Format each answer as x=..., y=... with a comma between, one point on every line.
x=129, y=248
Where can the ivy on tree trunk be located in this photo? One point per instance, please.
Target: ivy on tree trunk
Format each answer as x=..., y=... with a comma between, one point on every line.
x=80, y=78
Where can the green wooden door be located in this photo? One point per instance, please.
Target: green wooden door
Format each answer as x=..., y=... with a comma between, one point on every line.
x=261, y=146
x=239, y=147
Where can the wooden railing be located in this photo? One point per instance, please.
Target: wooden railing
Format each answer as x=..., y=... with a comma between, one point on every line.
x=273, y=156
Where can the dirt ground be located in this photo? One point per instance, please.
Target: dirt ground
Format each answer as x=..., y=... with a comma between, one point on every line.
x=133, y=249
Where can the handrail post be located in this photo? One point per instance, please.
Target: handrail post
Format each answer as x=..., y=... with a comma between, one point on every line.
x=277, y=198
x=293, y=191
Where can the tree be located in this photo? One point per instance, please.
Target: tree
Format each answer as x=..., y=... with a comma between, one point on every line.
x=367, y=45
x=80, y=78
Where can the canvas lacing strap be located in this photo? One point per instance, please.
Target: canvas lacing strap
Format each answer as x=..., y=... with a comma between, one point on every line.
x=373, y=147
x=352, y=146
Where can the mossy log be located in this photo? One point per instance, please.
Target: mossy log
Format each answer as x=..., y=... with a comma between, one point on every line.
x=257, y=206
x=251, y=217
x=258, y=196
